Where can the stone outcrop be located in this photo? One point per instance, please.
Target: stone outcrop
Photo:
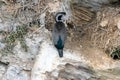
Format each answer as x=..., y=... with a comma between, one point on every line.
x=27, y=51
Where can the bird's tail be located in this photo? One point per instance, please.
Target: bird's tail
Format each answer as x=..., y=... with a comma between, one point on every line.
x=60, y=51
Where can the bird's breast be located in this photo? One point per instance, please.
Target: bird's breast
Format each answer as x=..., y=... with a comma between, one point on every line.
x=59, y=43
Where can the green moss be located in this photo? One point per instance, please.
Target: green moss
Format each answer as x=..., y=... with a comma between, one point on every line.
x=10, y=38
x=23, y=44
x=2, y=3
x=14, y=36
x=116, y=53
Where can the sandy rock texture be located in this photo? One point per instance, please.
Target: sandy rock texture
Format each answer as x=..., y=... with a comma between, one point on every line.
x=27, y=51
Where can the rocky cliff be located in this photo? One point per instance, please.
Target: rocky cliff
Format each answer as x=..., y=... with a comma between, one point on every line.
x=91, y=50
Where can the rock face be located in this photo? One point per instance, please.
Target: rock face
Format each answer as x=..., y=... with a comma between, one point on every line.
x=30, y=55
x=14, y=72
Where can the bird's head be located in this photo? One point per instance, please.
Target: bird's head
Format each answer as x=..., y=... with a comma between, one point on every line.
x=60, y=17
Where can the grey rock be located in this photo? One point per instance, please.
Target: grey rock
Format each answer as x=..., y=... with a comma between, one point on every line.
x=14, y=72
x=2, y=70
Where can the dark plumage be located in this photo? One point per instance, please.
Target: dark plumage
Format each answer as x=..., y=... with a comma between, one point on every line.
x=59, y=33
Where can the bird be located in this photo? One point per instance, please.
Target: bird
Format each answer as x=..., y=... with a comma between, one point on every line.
x=59, y=32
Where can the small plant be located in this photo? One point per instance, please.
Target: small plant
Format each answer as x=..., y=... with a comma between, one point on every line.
x=23, y=44
x=116, y=53
x=16, y=35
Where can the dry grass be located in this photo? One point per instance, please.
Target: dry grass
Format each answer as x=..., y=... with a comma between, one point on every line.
x=106, y=33
x=24, y=12
x=101, y=32
x=81, y=15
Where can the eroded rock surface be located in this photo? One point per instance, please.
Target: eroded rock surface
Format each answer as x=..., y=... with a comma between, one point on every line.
x=90, y=34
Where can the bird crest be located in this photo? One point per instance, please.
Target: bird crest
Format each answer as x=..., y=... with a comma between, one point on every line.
x=60, y=17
